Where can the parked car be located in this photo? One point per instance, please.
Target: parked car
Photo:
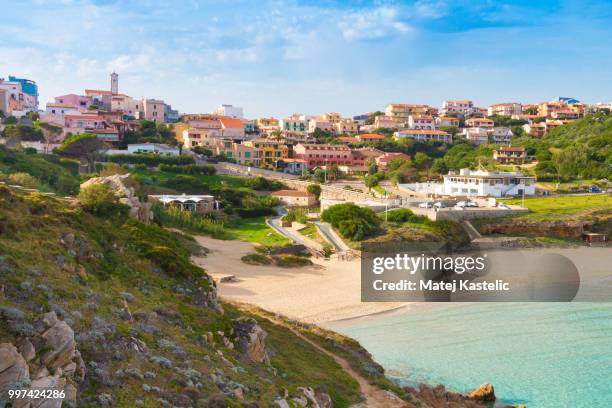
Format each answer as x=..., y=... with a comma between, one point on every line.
x=459, y=208
x=461, y=204
x=427, y=204
x=594, y=189
x=438, y=204
x=503, y=206
x=472, y=204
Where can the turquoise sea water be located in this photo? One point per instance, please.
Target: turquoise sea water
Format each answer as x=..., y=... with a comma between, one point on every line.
x=542, y=355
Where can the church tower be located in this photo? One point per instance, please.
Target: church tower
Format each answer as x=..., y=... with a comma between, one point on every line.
x=114, y=83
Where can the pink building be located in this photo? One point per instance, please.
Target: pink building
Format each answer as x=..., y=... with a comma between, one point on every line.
x=82, y=123
x=78, y=101
x=323, y=154
x=384, y=160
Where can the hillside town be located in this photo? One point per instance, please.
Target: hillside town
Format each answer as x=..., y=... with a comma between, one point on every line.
x=402, y=155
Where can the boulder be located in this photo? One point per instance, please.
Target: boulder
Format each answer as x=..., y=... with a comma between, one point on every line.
x=13, y=367
x=250, y=339
x=138, y=210
x=483, y=393
x=46, y=383
x=59, y=340
x=27, y=350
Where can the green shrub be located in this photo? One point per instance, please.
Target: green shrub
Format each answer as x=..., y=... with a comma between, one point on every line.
x=256, y=259
x=150, y=159
x=23, y=179
x=404, y=215
x=353, y=222
x=206, y=170
x=264, y=184
x=99, y=199
x=291, y=261
x=296, y=214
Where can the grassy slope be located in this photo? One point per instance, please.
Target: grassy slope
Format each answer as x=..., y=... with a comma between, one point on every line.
x=118, y=259
x=563, y=207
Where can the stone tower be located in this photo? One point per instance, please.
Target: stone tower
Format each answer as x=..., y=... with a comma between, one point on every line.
x=114, y=83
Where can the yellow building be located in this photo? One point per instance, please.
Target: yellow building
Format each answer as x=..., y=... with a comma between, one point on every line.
x=400, y=112
x=346, y=126
x=267, y=152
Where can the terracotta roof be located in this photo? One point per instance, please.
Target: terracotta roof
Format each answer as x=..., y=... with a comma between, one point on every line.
x=371, y=136
x=347, y=139
x=82, y=117
x=290, y=193
x=231, y=122
x=60, y=105
x=423, y=132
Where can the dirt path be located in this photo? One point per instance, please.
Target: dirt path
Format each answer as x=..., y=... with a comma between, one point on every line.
x=375, y=397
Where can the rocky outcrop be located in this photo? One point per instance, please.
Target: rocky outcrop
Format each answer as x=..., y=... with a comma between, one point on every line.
x=438, y=396
x=57, y=365
x=250, y=339
x=566, y=229
x=13, y=367
x=138, y=210
x=484, y=393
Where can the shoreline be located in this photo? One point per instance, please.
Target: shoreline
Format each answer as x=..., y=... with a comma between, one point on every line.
x=326, y=292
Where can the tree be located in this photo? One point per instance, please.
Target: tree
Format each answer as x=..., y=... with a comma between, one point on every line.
x=372, y=117
x=421, y=159
x=370, y=181
x=353, y=222
x=50, y=132
x=315, y=190
x=319, y=175
x=10, y=120
x=439, y=166
x=83, y=146
x=276, y=135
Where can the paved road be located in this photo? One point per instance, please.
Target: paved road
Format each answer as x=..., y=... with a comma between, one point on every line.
x=326, y=232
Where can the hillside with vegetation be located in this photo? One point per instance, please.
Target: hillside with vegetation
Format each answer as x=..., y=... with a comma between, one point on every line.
x=574, y=151
x=114, y=312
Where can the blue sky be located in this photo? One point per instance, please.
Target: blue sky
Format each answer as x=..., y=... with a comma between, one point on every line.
x=280, y=57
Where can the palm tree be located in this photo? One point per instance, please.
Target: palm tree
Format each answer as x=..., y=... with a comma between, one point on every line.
x=276, y=135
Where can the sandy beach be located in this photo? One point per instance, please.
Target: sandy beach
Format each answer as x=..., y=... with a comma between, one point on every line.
x=319, y=294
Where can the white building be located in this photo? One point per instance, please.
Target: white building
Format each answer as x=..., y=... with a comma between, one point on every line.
x=230, y=111
x=476, y=135
x=156, y=148
x=424, y=135
x=500, y=135
x=505, y=109
x=422, y=122
x=462, y=107
x=477, y=183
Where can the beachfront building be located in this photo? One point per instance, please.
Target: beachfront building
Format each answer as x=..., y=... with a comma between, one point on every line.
x=155, y=148
x=510, y=155
x=294, y=198
x=505, y=109
x=423, y=135
x=476, y=183
x=202, y=204
x=419, y=121
x=230, y=111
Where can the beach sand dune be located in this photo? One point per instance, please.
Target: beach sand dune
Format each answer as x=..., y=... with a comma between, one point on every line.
x=328, y=291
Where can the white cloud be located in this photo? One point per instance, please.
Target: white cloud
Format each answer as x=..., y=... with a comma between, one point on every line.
x=431, y=9
x=372, y=23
